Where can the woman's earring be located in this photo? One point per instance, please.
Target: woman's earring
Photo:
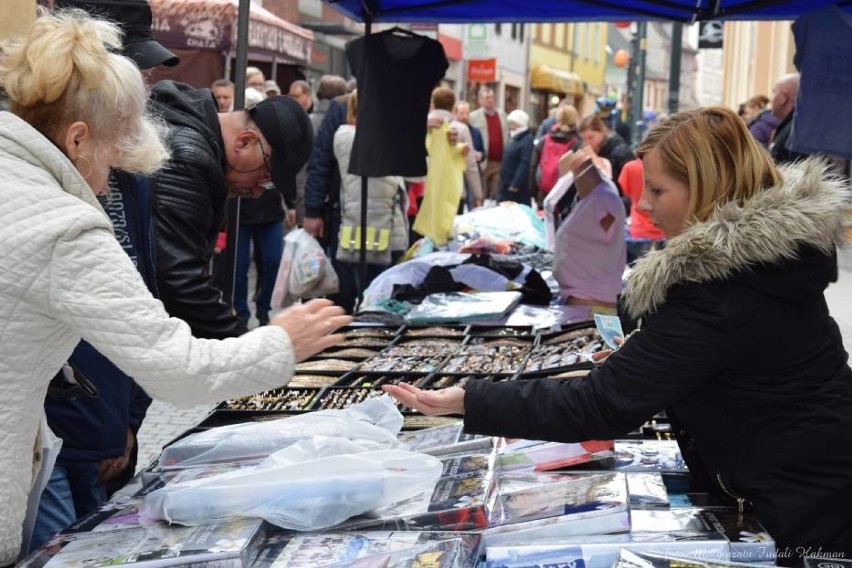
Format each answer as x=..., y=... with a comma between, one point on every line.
x=88, y=163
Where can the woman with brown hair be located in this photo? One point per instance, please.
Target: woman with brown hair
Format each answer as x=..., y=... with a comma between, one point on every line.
x=735, y=341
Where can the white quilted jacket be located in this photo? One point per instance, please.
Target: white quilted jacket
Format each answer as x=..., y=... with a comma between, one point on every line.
x=63, y=277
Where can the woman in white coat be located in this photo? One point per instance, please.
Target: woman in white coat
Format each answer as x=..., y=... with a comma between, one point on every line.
x=76, y=110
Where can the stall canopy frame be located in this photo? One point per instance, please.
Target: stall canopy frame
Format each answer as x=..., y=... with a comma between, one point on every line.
x=518, y=11
x=524, y=11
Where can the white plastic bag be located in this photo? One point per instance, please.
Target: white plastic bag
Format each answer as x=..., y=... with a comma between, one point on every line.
x=292, y=490
x=374, y=423
x=50, y=447
x=304, y=272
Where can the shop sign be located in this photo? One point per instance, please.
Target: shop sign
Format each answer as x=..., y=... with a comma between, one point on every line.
x=265, y=36
x=200, y=25
x=482, y=70
x=476, y=41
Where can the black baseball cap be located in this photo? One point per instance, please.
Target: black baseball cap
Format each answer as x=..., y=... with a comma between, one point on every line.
x=287, y=128
x=134, y=18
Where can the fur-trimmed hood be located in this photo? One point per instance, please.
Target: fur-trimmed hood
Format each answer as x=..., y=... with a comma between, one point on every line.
x=805, y=209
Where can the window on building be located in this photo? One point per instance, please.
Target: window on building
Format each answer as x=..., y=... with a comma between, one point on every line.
x=513, y=96
x=514, y=32
x=521, y=28
x=596, y=52
x=498, y=28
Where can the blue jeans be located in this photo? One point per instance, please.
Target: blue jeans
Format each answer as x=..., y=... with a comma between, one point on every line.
x=72, y=491
x=268, y=239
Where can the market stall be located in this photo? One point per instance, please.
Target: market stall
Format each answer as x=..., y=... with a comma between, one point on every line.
x=493, y=499
x=204, y=34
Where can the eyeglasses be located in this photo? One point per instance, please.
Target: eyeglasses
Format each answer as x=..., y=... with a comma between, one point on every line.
x=266, y=182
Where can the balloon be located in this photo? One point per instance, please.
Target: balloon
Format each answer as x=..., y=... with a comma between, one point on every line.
x=621, y=58
x=622, y=25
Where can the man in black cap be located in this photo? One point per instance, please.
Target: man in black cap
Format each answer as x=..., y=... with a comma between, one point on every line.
x=215, y=155
x=134, y=18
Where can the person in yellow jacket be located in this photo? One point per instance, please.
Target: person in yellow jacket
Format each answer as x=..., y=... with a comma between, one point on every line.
x=450, y=163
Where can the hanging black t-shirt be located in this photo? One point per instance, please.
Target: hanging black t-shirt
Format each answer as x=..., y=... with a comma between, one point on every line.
x=396, y=74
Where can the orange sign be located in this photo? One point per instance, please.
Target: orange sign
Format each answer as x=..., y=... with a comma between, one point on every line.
x=482, y=70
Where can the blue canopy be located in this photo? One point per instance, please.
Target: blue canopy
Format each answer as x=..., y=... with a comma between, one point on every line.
x=446, y=11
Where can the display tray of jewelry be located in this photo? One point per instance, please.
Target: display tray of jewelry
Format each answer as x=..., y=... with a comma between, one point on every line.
x=402, y=364
x=433, y=331
x=355, y=353
x=301, y=380
x=327, y=365
x=338, y=398
x=420, y=347
x=377, y=381
x=366, y=341
x=443, y=381
x=284, y=398
x=585, y=332
x=350, y=333
x=566, y=350
x=419, y=421
x=501, y=331
x=486, y=356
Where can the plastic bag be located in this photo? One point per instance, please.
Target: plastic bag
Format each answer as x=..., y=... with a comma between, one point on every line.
x=50, y=447
x=508, y=221
x=410, y=272
x=292, y=490
x=304, y=271
x=374, y=423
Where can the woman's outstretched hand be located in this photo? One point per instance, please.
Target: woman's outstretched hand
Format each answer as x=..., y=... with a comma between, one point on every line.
x=444, y=401
x=311, y=326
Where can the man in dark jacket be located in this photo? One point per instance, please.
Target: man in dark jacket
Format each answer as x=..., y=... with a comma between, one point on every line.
x=515, y=169
x=215, y=155
x=784, y=94
x=328, y=88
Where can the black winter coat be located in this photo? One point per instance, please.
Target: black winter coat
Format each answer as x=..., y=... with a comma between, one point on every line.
x=515, y=168
x=189, y=207
x=616, y=150
x=737, y=341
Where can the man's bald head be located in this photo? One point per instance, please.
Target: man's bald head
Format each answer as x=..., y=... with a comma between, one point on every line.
x=784, y=95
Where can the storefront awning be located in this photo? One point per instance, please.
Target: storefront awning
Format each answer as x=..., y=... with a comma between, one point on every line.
x=212, y=25
x=545, y=78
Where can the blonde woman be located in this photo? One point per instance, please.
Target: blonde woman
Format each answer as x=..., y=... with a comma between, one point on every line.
x=76, y=110
x=736, y=339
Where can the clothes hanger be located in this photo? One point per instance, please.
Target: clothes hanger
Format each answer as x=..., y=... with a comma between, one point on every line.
x=401, y=31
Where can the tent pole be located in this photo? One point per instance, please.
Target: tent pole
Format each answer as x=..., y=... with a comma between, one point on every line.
x=362, y=252
x=241, y=61
x=232, y=222
x=674, y=67
x=637, y=101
